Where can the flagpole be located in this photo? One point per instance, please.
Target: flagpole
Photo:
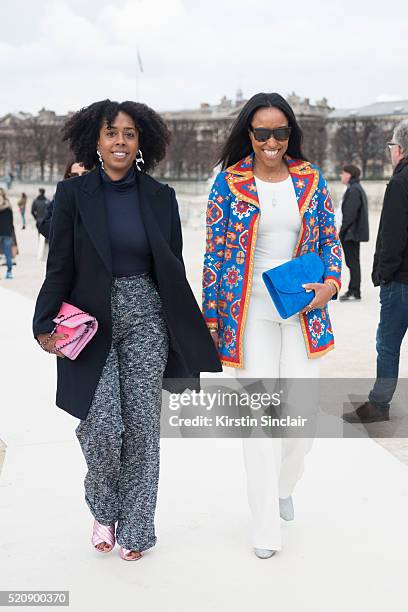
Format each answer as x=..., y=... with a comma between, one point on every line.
x=138, y=79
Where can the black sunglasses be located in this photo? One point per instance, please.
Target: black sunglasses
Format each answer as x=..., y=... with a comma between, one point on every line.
x=263, y=134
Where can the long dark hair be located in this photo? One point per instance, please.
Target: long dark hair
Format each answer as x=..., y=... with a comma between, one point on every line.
x=69, y=164
x=238, y=144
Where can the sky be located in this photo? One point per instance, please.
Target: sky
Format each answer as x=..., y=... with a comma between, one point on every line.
x=176, y=54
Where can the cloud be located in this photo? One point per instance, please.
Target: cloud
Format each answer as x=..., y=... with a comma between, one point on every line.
x=191, y=51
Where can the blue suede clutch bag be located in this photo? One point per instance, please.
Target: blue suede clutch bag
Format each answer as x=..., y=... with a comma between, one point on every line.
x=284, y=283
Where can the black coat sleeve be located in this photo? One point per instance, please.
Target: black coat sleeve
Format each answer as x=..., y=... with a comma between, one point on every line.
x=350, y=210
x=374, y=274
x=60, y=265
x=7, y=223
x=176, y=238
x=45, y=225
x=12, y=225
x=34, y=209
x=392, y=241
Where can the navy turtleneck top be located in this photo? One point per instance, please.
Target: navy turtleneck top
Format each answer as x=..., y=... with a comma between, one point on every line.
x=130, y=248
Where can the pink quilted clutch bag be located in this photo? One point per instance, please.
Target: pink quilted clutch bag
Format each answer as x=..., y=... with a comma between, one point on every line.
x=79, y=326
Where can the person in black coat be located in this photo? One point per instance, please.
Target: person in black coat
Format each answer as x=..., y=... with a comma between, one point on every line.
x=354, y=228
x=39, y=207
x=116, y=253
x=6, y=231
x=73, y=168
x=390, y=273
x=391, y=252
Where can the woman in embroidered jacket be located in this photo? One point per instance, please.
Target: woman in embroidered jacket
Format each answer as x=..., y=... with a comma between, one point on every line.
x=267, y=205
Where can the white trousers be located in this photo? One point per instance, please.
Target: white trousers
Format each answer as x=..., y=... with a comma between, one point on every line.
x=273, y=348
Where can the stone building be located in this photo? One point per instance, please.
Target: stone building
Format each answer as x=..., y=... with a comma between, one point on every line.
x=198, y=134
x=360, y=135
x=31, y=147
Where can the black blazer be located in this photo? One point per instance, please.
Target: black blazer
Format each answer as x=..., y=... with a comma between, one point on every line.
x=79, y=271
x=391, y=252
x=354, y=207
x=6, y=222
x=45, y=225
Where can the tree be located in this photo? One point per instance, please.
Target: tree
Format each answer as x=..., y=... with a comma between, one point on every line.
x=43, y=141
x=345, y=142
x=361, y=141
x=314, y=140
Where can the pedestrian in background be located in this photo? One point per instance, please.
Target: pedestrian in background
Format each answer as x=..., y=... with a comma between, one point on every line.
x=73, y=168
x=390, y=272
x=354, y=228
x=39, y=207
x=9, y=180
x=6, y=231
x=39, y=212
x=22, y=203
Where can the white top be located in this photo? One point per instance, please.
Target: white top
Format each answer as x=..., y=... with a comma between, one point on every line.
x=279, y=224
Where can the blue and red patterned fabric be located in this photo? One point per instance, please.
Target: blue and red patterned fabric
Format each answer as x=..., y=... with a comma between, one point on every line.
x=232, y=220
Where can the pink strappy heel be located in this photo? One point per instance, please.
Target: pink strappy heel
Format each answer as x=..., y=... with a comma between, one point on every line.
x=125, y=551
x=103, y=533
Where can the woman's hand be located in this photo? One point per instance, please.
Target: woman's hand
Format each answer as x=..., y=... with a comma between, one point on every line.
x=323, y=294
x=50, y=345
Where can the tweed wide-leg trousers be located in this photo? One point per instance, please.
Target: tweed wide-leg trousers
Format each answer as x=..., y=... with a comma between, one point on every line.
x=120, y=437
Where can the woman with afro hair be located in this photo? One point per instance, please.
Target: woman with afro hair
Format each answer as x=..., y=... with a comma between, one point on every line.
x=116, y=253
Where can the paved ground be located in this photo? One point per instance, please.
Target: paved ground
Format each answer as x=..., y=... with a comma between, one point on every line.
x=346, y=550
x=351, y=509
x=354, y=324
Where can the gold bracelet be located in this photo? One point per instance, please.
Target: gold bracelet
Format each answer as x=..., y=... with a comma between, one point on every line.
x=329, y=282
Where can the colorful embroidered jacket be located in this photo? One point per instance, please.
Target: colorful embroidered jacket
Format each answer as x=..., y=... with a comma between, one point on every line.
x=232, y=221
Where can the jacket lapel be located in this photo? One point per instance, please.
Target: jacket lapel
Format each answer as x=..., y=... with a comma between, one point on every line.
x=156, y=217
x=305, y=178
x=93, y=213
x=240, y=179
x=91, y=205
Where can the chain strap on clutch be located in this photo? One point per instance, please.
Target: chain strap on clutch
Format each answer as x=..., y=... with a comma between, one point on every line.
x=89, y=326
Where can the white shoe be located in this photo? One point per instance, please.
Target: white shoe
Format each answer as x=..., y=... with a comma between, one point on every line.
x=264, y=553
x=286, y=509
